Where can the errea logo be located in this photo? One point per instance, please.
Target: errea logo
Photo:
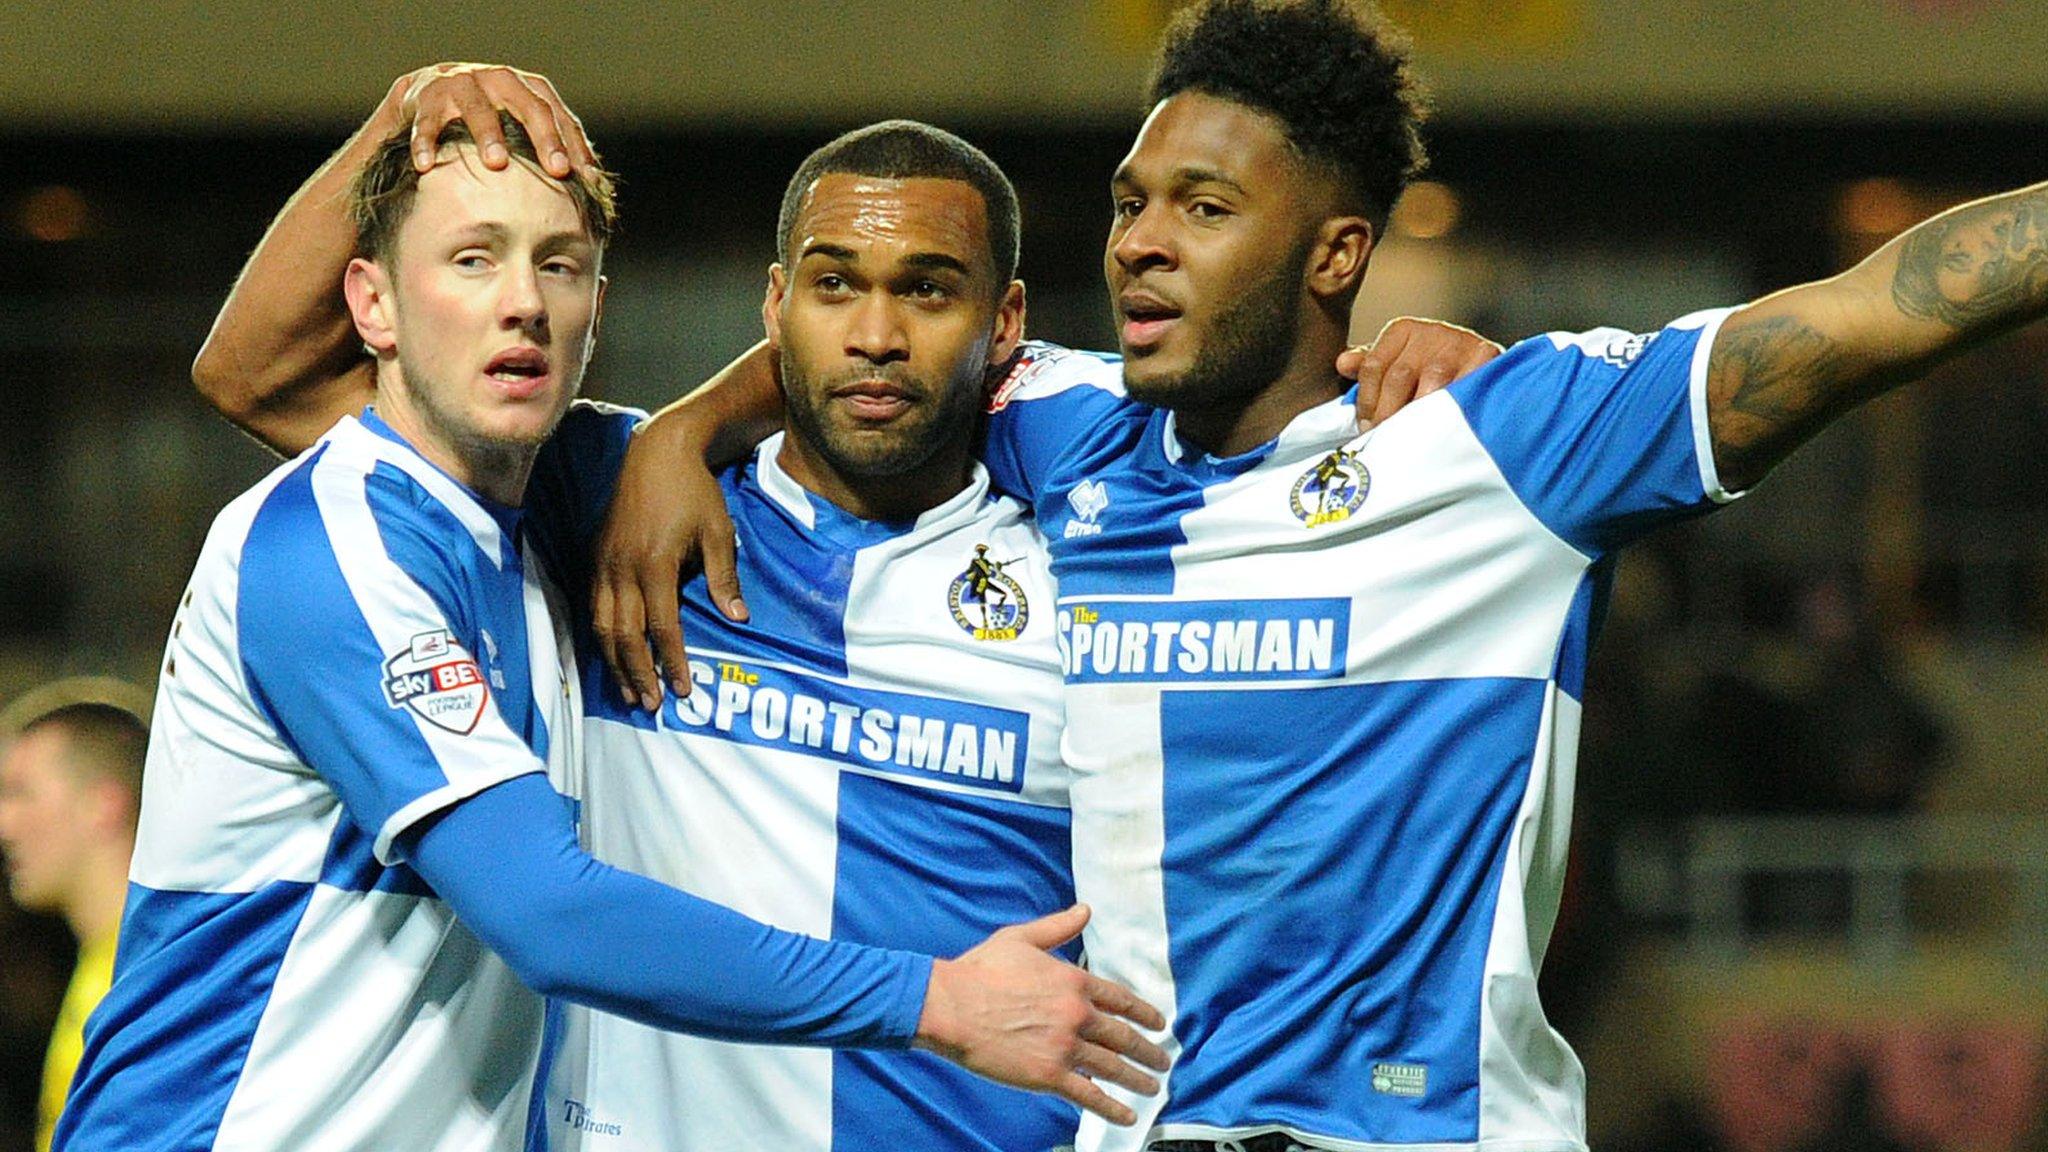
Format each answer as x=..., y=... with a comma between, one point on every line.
x=1088, y=499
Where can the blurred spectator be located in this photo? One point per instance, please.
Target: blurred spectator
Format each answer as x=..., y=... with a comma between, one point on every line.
x=1930, y=1085
x=1868, y=743
x=1837, y=730
x=1777, y=1086
x=1855, y=1127
x=70, y=784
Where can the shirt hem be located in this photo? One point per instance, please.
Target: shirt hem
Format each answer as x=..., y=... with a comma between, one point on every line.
x=1338, y=1144
x=1702, y=433
x=446, y=796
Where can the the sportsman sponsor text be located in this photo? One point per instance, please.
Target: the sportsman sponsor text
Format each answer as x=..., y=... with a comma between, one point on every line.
x=896, y=733
x=1203, y=640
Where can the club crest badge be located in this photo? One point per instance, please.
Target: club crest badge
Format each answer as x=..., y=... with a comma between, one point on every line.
x=987, y=602
x=436, y=678
x=1330, y=491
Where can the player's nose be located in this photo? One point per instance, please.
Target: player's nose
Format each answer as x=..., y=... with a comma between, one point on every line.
x=520, y=303
x=875, y=330
x=1145, y=241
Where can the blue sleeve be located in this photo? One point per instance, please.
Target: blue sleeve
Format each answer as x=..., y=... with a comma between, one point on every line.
x=1602, y=435
x=351, y=622
x=507, y=861
x=1050, y=409
x=575, y=475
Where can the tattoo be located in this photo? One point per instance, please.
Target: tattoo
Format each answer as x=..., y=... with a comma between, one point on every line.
x=1983, y=263
x=1773, y=382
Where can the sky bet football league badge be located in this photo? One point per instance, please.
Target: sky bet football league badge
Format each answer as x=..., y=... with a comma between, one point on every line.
x=439, y=681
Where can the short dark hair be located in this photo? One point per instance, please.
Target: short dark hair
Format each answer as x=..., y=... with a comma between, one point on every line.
x=382, y=195
x=905, y=150
x=101, y=739
x=1335, y=74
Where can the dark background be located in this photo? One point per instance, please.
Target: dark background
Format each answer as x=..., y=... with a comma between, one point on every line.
x=1808, y=905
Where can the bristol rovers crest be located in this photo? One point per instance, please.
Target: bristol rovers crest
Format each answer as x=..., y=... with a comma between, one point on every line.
x=986, y=601
x=1330, y=491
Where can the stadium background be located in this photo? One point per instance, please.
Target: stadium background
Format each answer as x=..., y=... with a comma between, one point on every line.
x=1810, y=898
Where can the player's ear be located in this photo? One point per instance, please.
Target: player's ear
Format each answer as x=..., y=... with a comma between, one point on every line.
x=368, y=290
x=1338, y=260
x=1009, y=324
x=771, y=304
x=596, y=319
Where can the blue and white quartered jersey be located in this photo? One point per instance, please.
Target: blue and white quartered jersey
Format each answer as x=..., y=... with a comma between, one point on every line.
x=1322, y=714
x=874, y=757
x=364, y=643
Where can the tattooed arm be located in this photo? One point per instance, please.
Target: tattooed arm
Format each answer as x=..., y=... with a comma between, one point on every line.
x=1789, y=364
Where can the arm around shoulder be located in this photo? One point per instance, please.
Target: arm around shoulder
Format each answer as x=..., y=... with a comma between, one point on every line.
x=283, y=361
x=669, y=513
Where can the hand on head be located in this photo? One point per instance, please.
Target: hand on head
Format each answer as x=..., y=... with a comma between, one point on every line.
x=439, y=94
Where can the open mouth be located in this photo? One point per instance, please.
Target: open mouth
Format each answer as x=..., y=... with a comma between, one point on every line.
x=1146, y=318
x=520, y=370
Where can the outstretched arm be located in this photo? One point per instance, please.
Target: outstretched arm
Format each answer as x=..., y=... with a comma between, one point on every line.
x=1786, y=366
x=283, y=361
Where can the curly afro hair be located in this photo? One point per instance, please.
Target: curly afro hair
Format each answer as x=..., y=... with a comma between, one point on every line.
x=1333, y=72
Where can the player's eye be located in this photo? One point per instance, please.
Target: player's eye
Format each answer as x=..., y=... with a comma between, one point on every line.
x=930, y=290
x=831, y=284
x=1207, y=210
x=472, y=261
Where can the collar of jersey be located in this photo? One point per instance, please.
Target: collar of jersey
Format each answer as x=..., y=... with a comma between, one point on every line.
x=1309, y=433
x=844, y=528
x=507, y=516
